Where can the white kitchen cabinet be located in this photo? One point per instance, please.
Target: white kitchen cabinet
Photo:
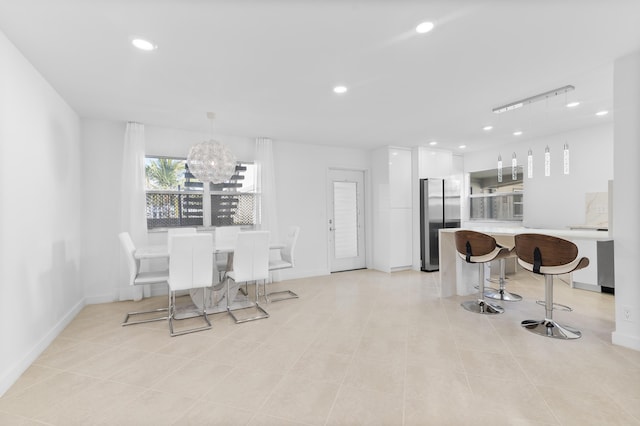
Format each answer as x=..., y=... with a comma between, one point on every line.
x=400, y=178
x=401, y=253
x=392, y=213
x=435, y=163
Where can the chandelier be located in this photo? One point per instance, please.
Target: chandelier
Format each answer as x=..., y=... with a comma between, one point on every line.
x=211, y=161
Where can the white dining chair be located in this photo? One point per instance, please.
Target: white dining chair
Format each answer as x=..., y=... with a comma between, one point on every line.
x=225, y=236
x=172, y=232
x=285, y=261
x=250, y=264
x=136, y=277
x=190, y=267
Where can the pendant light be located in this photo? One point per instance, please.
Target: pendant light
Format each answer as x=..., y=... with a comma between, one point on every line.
x=547, y=161
x=499, y=168
x=566, y=158
x=530, y=164
x=211, y=161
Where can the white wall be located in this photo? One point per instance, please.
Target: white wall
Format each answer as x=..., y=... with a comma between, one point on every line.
x=103, y=143
x=164, y=141
x=301, y=173
x=557, y=201
x=40, y=189
x=626, y=200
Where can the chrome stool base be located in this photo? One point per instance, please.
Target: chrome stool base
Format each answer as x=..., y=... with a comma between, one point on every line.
x=550, y=328
x=482, y=307
x=501, y=294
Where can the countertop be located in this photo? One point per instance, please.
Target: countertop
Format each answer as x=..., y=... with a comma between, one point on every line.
x=581, y=234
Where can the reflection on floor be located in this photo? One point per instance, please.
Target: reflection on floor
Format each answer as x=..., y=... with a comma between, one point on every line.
x=362, y=347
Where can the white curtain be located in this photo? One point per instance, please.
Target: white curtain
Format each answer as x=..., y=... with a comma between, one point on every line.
x=133, y=217
x=266, y=186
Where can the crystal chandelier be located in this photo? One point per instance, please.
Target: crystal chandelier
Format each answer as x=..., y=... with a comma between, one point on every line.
x=211, y=161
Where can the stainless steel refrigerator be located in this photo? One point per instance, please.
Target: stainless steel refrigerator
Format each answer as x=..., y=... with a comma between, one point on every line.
x=439, y=208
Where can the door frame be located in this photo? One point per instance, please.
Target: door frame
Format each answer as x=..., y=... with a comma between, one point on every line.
x=366, y=229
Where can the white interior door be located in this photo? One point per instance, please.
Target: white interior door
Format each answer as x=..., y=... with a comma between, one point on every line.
x=346, y=220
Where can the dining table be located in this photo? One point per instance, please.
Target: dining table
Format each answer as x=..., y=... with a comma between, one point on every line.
x=215, y=301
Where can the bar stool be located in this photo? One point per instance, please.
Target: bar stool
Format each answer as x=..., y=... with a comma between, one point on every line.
x=476, y=247
x=549, y=256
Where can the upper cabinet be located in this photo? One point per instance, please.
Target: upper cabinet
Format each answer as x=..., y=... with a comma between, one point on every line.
x=435, y=163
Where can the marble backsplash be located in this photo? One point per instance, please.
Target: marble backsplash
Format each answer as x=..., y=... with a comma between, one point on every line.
x=597, y=209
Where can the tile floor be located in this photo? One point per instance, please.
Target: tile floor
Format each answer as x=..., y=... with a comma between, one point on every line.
x=360, y=347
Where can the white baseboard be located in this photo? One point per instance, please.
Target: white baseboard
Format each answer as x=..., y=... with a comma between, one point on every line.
x=104, y=298
x=631, y=342
x=13, y=373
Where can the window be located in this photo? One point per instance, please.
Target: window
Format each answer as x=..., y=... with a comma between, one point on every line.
x=176, y=198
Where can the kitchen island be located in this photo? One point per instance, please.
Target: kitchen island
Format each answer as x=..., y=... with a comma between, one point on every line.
x=458, y=277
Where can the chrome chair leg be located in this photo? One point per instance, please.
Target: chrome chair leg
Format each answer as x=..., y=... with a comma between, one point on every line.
x=126, y=321
x=290, y=295
x=173, y=333
x=262, y=314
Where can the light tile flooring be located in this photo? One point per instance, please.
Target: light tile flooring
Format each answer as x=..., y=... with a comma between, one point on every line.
x=360, y=347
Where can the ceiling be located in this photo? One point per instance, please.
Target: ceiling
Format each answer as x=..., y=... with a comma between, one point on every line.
x=267, y=67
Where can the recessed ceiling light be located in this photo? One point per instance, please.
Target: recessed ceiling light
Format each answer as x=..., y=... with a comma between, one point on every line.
x=143, y=44
x=339, y=89
x=573, y=104
x=424, y=27
x=487, y=128
x=517, y=133
x=601, y=113
x=432, y=143
x=462, y=146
